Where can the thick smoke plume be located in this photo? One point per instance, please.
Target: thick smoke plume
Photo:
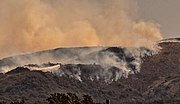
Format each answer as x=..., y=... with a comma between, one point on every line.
x=33, y=25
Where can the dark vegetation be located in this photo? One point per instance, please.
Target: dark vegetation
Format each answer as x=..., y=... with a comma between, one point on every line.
x=70, y=98
x=62, y=98
x=158, y=82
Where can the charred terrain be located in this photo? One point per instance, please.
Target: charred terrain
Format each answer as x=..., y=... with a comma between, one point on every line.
x=158, y=81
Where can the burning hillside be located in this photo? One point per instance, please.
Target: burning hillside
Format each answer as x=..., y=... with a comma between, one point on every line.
x=157, y=80
x=96, y=47
x=109, y=63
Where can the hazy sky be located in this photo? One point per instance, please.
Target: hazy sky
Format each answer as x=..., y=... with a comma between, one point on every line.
x=164, y=12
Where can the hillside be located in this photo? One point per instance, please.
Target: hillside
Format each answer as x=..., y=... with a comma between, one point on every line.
x=157, y=82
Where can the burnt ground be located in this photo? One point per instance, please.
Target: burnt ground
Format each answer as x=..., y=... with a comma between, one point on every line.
x=158, y=82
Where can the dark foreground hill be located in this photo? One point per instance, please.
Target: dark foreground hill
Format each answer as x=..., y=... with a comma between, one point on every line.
x=157, y=82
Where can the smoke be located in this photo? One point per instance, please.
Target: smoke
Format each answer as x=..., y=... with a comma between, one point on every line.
x=33, y=25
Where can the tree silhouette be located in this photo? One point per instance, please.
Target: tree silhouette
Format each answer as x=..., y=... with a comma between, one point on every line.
x=87, y=100
x=69, y=98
